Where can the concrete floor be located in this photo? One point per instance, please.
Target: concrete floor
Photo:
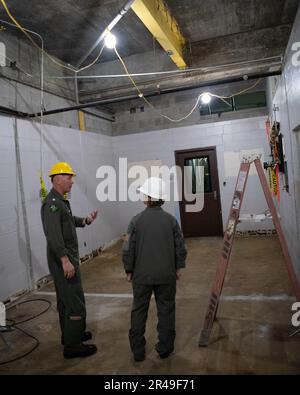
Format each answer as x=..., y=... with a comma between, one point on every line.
x=250, y=336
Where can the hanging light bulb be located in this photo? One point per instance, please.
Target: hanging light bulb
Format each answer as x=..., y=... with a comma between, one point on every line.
x=110, y=40
x=205, y=98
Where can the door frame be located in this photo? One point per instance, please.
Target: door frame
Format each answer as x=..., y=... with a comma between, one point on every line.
x=189, y=151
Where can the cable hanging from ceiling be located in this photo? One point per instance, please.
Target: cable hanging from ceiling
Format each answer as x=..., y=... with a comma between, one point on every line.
x=141, y=95
x=69, y=66
x=43, y=191
x=200, y=96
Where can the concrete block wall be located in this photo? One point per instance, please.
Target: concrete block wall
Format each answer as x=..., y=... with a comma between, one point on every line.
x=27, y=99
x=22, y=242
x=158, y=61
x=177, y=105
x=286, y=96
x=20, y=85
x=26, y=66
x=228, y=137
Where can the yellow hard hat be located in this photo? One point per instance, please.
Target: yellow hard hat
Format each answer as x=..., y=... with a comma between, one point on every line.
x=61, y=168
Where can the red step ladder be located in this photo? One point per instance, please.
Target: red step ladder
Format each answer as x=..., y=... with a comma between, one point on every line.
x=228, y=242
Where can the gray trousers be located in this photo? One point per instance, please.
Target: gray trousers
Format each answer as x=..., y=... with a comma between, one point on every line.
x=165, y=304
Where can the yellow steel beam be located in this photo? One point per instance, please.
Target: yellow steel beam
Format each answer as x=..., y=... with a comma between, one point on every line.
x=81, y=119
x=157, y=18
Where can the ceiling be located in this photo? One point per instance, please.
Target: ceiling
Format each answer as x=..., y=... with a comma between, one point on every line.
x=218, y=32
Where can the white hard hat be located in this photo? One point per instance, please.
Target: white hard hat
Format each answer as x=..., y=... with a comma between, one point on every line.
x=154, y=187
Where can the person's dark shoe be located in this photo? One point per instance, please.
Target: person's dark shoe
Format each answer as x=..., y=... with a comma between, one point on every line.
x=86, y=336
x=163, y=355
x=79, y=350
x=139, y=357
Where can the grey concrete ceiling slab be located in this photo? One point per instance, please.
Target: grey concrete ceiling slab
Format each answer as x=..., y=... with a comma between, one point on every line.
x=218, y=32
x=202, y=19
x=70, y=27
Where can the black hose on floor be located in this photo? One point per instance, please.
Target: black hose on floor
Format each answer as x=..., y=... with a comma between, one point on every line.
x=14, y=324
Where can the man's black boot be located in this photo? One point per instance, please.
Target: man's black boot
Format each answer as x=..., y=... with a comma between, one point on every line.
x=86, y=336
x=163, y=355
x=79, y=350
x=139, y=357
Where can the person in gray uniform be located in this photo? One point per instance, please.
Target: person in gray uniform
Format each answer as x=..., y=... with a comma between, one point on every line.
x=63, y=260
x=154, y=252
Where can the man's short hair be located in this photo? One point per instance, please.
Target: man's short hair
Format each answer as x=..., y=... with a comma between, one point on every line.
x=60, y=174
x=155, y=203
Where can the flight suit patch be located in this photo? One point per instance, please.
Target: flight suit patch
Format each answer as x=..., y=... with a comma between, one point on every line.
x=53, y=208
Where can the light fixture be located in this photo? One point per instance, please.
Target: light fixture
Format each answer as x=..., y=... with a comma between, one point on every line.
x=205, y=98
x=110, y=40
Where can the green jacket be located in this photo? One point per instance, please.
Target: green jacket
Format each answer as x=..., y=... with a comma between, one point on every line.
x=155, y=248
x=59, y=226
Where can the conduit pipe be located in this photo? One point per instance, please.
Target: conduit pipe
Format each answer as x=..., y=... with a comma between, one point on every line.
x=113, y=23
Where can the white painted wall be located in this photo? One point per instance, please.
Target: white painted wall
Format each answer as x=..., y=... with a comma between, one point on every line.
x=287, y=99
x=229, y=137
x=85, y=152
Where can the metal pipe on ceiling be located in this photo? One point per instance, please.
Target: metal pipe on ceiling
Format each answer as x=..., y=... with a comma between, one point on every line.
x=165, y=91
x=10, y=111
x=176, y=72
x=20, y=114
x=72, y=108
x=113, y=23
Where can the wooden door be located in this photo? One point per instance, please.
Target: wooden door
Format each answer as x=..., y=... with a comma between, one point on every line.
x=208, y=221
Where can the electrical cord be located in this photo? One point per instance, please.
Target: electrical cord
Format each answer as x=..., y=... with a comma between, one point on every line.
x=69, y=66
x=37, y=343
x=141, y=95
x=34, y=316
x=14, y=324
